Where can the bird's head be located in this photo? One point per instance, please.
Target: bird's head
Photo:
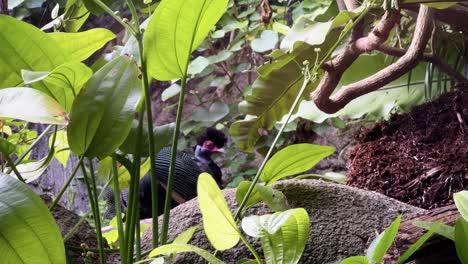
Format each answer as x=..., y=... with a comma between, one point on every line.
x=212, y=141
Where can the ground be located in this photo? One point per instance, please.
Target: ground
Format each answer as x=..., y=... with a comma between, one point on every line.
x=420, y=158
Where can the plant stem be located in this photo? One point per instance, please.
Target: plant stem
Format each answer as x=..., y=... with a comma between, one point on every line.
x=115, y=16
x=97, y=217
x=132, y=209
x=251, y=248
x=29, y=149
x=170, y=178
x=237, y=216
x=13, y=167
x=152, y=154
x=64, y=188
x=95, y=209
x=76, y=226
x=118, y=212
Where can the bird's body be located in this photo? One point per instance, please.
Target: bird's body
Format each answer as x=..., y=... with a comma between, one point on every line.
x=188, y=167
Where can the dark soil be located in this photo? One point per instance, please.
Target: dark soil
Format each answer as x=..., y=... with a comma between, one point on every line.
x=420, y=158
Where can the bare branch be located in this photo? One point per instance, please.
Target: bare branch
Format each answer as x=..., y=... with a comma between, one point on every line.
x=409, y=60
x=439, y=63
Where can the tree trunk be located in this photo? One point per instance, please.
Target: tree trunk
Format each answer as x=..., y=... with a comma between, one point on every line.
x=437, y=249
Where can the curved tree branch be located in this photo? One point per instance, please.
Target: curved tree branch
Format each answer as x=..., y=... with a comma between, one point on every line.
x=374, y=40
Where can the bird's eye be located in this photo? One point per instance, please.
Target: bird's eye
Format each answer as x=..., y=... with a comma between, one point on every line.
x=209, y=144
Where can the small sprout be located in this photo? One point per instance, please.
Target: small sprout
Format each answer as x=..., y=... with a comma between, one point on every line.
x=317, y=50
x=305, y=63
x=125, y=20
x=116, y=12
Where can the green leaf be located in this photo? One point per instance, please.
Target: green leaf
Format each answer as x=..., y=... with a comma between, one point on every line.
x=274, y=199
x=443, y=230
x=170, y=92
x=174, y=31
x=355, y=260
x=461, y=201
x=63, y=83
x=28, y=233
x=95, y=8
x=216, y=111
x=181, y=248
x=78, y=12
x=283, y=235
x=6, y=147
x=80, y=46
x=241, y=191
x=327, y=176
x=185, y=236
x=25, y=47
x=162, y=135
x=380, y=245
x=218, y=222
x=294, y=159
x=30, y=105
x=31, y=171
x=267, y=41
x=413, y=248
x=102, y=113
x=461, y=239
x=223, y=55
x=307, y=30
x=273, y=93
x=198, y=65
x=62, y=152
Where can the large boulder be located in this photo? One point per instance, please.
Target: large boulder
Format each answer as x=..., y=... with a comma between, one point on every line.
x=342, y=219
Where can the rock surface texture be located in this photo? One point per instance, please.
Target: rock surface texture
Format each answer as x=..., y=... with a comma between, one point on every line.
x=343, y=220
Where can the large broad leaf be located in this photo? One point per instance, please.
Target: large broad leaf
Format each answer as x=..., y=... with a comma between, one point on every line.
x=175, y=30
x=102, y=113
x=215, y=112
x=461, y=240
x=63, y=83
x=383, y=241
x=181, y=248
x=461, y=201
x=79, y=46
x=283, y=235
x=307, y=29
x=30, y=105
x=241, y=191
x=25, y=47
x=218, y=222
x=28, y=233
x=294, y=159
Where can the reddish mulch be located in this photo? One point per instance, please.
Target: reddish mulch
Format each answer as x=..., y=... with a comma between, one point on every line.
x=420, y=158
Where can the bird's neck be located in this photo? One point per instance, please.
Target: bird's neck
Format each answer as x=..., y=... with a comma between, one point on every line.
x=202, y=155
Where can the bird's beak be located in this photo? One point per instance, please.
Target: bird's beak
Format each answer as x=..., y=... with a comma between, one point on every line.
x=218, y=150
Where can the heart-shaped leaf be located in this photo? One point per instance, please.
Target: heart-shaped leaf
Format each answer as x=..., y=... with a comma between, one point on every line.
x=79, y=46
x=25, y=47
x=218, y=222
x=283, y=235
x=29, y=234
x=174, y=31
x=102, y=113
x=294, y=159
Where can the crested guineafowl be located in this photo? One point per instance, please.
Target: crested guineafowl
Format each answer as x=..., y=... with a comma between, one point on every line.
x=188, y=167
